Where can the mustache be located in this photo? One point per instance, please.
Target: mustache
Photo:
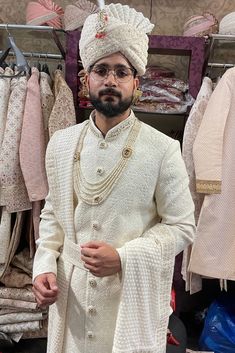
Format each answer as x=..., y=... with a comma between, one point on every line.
x=109, y=91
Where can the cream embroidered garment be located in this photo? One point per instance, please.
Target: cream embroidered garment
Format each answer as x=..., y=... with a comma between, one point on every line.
x=14, y=242
x=18, y=317
x=63, y=112
x=208, y=144
x=5, y=234
x=47, y=100
x=32, y=142
x=147, y=281
x=193, y=281
x=214, y=247
x=21, y=327
x=155, y=181
x=5, y=86
x=13, y=193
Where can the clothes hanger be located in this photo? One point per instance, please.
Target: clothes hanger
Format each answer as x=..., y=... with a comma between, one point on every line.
x=45, y=67
x=21, y=62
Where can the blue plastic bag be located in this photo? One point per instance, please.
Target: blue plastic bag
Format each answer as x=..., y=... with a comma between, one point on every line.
x=218, y=334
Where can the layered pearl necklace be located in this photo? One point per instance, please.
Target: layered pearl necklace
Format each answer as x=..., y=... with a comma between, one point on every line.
x=96, y=193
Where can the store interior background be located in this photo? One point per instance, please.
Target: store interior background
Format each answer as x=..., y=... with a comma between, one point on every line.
x=168, y=16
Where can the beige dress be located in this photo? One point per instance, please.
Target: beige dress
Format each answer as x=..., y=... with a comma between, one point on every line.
x=214, y=247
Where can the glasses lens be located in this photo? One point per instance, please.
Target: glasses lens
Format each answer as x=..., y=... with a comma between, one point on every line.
x=122, y=74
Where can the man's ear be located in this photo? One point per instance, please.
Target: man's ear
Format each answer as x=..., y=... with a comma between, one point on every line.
x=86, y=80
x=136, y=83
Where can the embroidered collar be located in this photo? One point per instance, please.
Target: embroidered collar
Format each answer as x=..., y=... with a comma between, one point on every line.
x=116, y=130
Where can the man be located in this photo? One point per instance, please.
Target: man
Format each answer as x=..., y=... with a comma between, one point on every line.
x=118, y=210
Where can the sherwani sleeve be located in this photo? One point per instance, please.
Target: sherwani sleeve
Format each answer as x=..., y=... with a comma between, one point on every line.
x=148, y=262
x=51, y=233
x=174, y=203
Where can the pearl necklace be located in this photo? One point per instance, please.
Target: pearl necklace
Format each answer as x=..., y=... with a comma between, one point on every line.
x=96, y=193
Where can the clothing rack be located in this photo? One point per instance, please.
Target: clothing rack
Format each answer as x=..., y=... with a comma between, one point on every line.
x=39, y=55
x=211, y=46
x=220, y=65
x=50, y=29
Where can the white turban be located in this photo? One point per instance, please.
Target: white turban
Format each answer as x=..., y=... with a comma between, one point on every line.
x=125, y=31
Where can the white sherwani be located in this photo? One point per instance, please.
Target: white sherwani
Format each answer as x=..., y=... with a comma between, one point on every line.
x=126, y=312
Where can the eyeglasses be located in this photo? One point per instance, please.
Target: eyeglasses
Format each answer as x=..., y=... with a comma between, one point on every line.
x=122, y=74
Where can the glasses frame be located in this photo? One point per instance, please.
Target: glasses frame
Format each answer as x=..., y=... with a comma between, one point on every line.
x=91, y=69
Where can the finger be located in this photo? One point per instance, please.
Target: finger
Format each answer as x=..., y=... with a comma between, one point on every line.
x=43, y=298
x=90, y=261
x=88, y=252
x=41, y=301
x=41, y=288
x=92, y=269
x=92, y=244
x=52, y=282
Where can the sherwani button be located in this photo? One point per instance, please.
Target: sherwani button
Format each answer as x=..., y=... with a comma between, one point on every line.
x=100, y=171
x=96, y=225
x=93, y=283
x=90, y=334
x=91, y=309
x=103, y=145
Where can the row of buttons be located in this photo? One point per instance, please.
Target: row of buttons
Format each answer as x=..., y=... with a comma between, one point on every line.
x=91, y=308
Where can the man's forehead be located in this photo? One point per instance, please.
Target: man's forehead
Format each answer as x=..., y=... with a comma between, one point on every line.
x=115, y=59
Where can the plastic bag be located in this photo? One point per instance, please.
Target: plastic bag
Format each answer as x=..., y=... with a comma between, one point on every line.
x=218, y=334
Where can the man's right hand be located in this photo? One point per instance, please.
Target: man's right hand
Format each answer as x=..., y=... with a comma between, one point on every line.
x=45, y=289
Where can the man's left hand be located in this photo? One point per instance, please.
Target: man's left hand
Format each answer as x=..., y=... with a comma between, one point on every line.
x=100, y=259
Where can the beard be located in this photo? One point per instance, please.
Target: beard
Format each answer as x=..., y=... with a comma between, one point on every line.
x=110, y=108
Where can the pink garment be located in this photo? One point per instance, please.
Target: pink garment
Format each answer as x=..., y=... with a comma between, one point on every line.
x=201, y=25
x=13, y=193
x=214, y=246
x=47, y=100
x=44, y=12
x=32, y=143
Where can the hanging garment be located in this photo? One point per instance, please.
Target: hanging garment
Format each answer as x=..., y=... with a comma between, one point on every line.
x=214, y=247
x=13, y=193
x=5, y=234
x=5, y=89
x=32, y=143
x=14, y=242
x=63, y=113
x=193, y=281
x=47, y=101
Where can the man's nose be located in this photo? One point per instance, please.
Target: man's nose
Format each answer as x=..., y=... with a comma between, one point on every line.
x=111, y=78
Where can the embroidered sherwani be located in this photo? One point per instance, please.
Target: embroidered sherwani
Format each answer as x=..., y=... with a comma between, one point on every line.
x=102, y=314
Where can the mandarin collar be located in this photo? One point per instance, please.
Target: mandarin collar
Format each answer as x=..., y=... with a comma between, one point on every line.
x=115, y=131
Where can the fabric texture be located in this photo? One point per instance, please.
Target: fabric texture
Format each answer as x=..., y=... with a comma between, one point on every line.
x=76, y=14
x=63, y=112
x=5, y=234
x=208, y=144
x=47, y=101
x=13, y=193
x=44, y=12
x=32, y=143
x=201, y=25
x=227, y=24
x=157, y=159
x=118, y=29
x=5, y=90
x=192, y=281
x=213, y=249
